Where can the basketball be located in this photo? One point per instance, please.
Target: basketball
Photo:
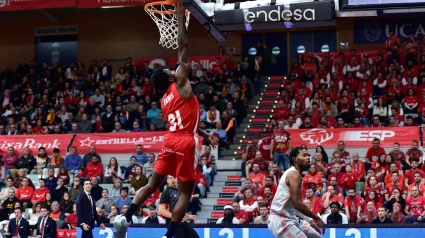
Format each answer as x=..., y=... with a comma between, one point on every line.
x=120, y=223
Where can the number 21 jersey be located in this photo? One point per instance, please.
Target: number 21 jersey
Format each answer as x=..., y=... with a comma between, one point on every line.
x=182, y=114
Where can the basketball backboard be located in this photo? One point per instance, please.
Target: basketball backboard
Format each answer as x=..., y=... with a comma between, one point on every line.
x=220, y=17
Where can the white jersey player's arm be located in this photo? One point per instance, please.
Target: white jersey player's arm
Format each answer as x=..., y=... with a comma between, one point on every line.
x=294, y=183
x=302, y=216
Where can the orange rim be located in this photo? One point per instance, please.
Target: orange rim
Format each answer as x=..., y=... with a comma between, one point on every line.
x=166, y=2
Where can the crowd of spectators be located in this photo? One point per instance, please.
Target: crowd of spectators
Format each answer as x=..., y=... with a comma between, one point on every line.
x=75, y=99
x=340, y=91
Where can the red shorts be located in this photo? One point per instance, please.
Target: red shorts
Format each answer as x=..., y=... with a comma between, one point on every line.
x=179, y=157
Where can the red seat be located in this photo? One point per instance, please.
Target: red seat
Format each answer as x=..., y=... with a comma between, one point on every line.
x=224, y=201
x=274, y=85
x=277, y=78
x=230, y=189
x=234, y=178
x=217, y=215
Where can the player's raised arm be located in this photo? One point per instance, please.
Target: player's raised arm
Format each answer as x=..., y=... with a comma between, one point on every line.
x=184, y=67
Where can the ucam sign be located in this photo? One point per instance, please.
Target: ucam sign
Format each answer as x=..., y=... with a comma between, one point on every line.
x=279, y=14
x=376, y=31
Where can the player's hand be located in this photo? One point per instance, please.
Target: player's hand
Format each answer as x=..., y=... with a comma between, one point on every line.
x=102, y=226
x=86, y=227
x=321, y=225
x=192, y=217
x=212, y=140
x=315, y=227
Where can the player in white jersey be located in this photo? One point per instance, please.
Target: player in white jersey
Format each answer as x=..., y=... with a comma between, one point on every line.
x=289, y=216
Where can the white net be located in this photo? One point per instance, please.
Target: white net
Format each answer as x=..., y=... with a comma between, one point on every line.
x=166, y=21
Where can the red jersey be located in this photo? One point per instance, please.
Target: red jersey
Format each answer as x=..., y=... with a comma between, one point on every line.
x=353, y=204
x=281, y=113
x=414, y=154
x=334, y=198
x=316, y=204
x=24, y=193
x=379, y=193
x=242, y=214
x=416, y=206
x=373, y=154
x=281, y=141
x=273, y=190
x=389, y=189
x=152, y=198
x=410, y=175
x=182, y=113
x=398, y=156
x=39, y=195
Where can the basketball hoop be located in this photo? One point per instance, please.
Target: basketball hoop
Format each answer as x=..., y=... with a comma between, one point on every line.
x=162, y=13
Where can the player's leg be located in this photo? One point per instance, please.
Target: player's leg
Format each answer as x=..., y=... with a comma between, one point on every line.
x=308, y=230
x=143, y=193
x=179, y=211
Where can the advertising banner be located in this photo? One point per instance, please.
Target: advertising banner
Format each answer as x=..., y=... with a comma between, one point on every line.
x=355, y=137
x=107, y=143
x=206, y=62
x=296, y=12
x=376, y=30
x=16, y=5
x=111, y=3
x=263, y=232
x=120, y=143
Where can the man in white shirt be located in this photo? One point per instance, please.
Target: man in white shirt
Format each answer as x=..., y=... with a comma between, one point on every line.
x=153, y=218
x=264, y=215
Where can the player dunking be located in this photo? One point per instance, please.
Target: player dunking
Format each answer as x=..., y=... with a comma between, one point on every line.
x=179, y=153
x=287, y=207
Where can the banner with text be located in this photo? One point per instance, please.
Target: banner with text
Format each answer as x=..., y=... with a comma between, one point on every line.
x=111, y=3
x=206, y=62
x=262, y=231
x=376, y=31
x=355, y=137
x=14, y=5
x=107, y=143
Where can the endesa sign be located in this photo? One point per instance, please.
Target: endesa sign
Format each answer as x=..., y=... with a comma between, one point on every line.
x=107, y=143
x=111, y=3
x=15, y=5
x=206, y=62
x=355, y=137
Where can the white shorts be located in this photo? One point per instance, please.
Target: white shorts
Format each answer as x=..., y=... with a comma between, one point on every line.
x=289, y=228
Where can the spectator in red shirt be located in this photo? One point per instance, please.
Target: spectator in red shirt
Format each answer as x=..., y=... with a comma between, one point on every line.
x=341, y=150
x=372, y=198
x=333, y=181
x=247, y=156
x=315, y=201
x=276, y=174
x=248, y=185
x=269, y=184
x=373, y=153
x=415, y=207
x=336, y=172
x=329, y=197
x=264, y=165
x=240, y=214
x=39, y=195
x=394, y=168
x=268, y=197
x=358, y=168
x=321, y=166
x=397, y=216
x=409, y=175
x=353, y=205
x=313, y=180
x=369, y=215
x=398, y=155
x=281, y=112
x=93, y=169
x=280, y=146
x=380, y=166
x=418, y=183
x=348, y=179
x=248, y=204
x=414, y=154
x=378, y=189
x=393, y=185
